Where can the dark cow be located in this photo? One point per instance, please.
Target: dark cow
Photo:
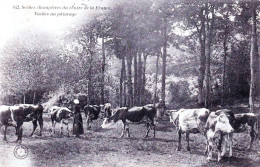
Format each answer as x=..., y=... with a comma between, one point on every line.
x=37, y=111
x=18, y=114
x=91, y=113
x=135, y=114
x=243, y=119
x=189, y=121
x=219, y=125
x=61, y=115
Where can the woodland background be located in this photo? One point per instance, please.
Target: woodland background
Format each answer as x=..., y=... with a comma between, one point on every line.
x=189, y=53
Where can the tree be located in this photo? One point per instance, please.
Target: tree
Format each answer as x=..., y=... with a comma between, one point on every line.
x=254, y=97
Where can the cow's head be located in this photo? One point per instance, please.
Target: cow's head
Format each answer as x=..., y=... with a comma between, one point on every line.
x=108, y=122
x=223, y=124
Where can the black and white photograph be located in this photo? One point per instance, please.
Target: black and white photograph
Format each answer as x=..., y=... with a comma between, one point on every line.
x=129, y=83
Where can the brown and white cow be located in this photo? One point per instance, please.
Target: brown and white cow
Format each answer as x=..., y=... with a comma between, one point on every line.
x=61, y=115
x=249, y=119
x=18, y=114
x=134, y=114
x=190, y=121
x=219, y=125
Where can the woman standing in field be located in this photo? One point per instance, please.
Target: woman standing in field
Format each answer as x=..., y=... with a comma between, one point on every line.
x=77, y=122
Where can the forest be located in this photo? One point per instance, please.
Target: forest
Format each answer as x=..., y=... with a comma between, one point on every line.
x=188, y=53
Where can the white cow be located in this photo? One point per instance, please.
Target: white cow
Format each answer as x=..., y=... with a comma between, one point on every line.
x=219, y=126
x=189, y=121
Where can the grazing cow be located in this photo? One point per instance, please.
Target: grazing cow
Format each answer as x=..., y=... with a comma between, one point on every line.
x=106, y=109
x=243, y=119
x=134, y=114
x=37, y=110
x=190, y=121
x=61, y=115
x=18, y=114
x=219, y=125
x=91, y=113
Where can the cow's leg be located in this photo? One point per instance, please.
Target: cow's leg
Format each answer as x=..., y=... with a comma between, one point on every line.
x=34, y=127
x=230, y=140
x=53, y=127
x=188, y=141
x=68, y=130
x=127, y=130
x=153, y=129
x=123, y=131
x=210, y=149
x=207, y=146
x=209, y=135
x=148, y=127
x=5, y=130
x=19, y=132
x=224, y=146
x=88, y=119
x=40, y=120
x=252, y=137
x=179, y=142
x=219, y=147
x=61, y=127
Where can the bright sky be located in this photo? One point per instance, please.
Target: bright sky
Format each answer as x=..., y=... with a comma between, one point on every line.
x=20, y=20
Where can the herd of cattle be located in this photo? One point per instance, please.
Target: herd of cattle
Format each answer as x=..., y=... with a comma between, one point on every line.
x=217, y=126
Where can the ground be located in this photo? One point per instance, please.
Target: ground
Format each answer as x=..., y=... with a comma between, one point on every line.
x=103, y=147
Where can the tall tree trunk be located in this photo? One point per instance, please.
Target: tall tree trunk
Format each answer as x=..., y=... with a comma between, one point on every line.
x=90, y=69
x=103, y=71
x=224, y=59
x=156, y=79
x=125, y=85
x=135, y=80
x=23, y=98
x=34, y=95
x=202, y=68
x=129, y=78
x=122, y=78
x=254, y=97
x=208, y=52
x=140, y=82
x=144, y=80
x=164, y=57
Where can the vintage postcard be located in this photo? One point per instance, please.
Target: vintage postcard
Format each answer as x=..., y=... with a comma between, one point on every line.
x=140, y=83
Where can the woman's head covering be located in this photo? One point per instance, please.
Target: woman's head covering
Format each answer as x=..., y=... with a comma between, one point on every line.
x=76, y=101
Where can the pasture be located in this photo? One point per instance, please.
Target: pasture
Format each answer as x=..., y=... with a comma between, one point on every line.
x=103, y=147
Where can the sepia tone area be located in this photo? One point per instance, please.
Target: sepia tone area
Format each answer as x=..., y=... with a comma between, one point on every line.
x=131, y=83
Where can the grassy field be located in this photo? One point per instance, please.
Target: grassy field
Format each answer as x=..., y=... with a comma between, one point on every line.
x=103, y=147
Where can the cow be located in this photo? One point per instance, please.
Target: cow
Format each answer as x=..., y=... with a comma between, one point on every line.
x=106, y=109
x=134, y=114
x=18, y=114
x=172, y=115
x=243, y=119
x=5, y=119
x=189, y=121
x=37, y=110
x=61, y=115
x=219, y=125
x=91, y=113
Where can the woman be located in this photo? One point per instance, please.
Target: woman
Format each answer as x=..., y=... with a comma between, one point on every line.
x=77, y=122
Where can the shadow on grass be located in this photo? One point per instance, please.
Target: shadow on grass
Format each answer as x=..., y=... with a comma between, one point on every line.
x=233, y=161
